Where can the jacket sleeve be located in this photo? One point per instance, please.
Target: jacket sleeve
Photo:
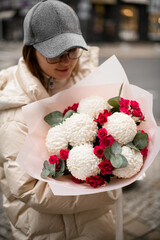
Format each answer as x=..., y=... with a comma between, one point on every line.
x=36, y=193
x=87, y=63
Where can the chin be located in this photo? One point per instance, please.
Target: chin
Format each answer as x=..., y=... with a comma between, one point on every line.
x=63, y=77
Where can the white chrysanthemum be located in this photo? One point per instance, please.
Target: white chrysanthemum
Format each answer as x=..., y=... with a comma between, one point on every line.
x=92, y=106
x=56, y=140
x=80, y=129
x=135, y=162
x=122, y=127
x=82, y=162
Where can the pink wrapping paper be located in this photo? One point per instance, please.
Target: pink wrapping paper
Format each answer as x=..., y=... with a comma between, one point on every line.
x=105, y=81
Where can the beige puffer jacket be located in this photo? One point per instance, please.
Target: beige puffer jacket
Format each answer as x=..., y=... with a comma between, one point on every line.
x=34, y=212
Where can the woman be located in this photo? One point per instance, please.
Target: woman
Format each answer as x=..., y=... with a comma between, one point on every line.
x=54, y=58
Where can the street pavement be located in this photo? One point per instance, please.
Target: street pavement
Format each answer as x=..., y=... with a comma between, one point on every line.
x=141, y=200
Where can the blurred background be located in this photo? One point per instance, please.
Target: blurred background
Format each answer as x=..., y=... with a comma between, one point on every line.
x=101, y=20
x=129, y=29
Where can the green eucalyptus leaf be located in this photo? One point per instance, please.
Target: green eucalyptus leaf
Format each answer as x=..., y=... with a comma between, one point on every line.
x=114, y=102
x=54, y=118
x=68, y=114
x=46, y=164
x=116, y=148
x=140, y=140
x=58, y=174
x=45, y=173
x=125, y=162
x=108, y=152
x=131, y=145
x=63, y=166
x=52, y=169
x=116, y=161
x=139, y=131
x=120, y=90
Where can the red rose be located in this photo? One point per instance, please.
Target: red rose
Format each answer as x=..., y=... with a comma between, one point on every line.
x=142, y=118
x=64, y=154
x=106, y=167
x=102, y=118
x=73, y=107
x=124, y=102
x=95, y=181
x=76, y=180
x=137, y=112
x=124, y=110
x=54, y=159
x=134, y=104
x=144, y=152
x=107, y=113
x=107, y=141
x=99, y=151
x=102, y=132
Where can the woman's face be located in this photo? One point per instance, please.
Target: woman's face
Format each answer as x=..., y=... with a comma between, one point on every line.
x=61, y=70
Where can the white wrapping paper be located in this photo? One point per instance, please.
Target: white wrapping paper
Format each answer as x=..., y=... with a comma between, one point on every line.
x=105, y=81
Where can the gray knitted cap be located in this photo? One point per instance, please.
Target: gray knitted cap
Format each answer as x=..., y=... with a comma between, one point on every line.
x=52, y=27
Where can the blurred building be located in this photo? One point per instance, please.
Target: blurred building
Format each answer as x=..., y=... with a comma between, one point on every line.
x=154, y=20
x=12, y=13
x=101, y=20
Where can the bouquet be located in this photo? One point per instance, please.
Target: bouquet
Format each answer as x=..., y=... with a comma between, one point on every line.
x=95, y=140
x=105, y=158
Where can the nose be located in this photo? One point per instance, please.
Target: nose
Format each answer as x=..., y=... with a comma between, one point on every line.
x=65, y=59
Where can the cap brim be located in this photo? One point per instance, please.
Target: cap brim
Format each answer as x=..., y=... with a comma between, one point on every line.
x=54, y=47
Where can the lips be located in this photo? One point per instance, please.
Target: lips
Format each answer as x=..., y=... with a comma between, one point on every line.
x=63, y=70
